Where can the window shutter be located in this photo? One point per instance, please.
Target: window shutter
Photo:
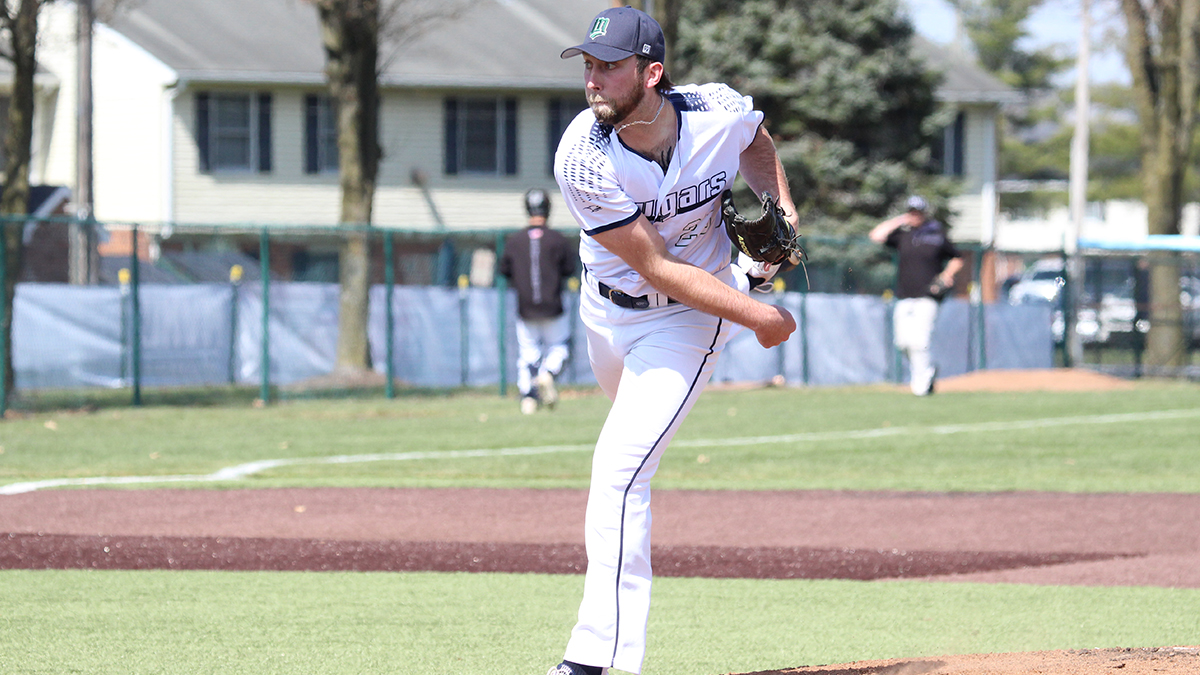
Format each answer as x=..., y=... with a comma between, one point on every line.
x=960, y=130
x=202, y=131
x=312, y=157
x=451, y=134
x=264, y=132
x=510, y=136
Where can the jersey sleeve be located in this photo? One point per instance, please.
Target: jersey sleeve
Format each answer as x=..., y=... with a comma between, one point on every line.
x=949, y=250
x=586, y=176
x=893, y=238
x=751, y=119
x=718, y=98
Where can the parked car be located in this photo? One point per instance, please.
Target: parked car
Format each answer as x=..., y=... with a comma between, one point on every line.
x=1115, y=312
x=1042, y=281
x=1095, y=320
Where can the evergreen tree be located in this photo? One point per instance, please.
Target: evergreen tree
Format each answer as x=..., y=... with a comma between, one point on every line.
x=851, y=108
x=995, y=27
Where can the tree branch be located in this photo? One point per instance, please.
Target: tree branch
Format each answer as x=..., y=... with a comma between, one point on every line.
x=1140, y=57
x=1189, y=71
x=400, y=21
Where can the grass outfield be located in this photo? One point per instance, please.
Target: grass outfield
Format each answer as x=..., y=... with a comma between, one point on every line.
x=128, y=623
x=1139, y=440
x=872, y=438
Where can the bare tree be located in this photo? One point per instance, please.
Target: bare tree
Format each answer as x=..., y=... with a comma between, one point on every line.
x=666, y=13
x=353, y=32
x=19, y=24
x=1163, y=52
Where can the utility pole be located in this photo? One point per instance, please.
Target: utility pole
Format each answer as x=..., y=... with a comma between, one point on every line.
x=83, y=267
x=1078, y=185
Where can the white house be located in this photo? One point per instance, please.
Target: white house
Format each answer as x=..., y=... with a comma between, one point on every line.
x=46, y=91
x=216, y=113
x=969, y=149
x=1113, y=220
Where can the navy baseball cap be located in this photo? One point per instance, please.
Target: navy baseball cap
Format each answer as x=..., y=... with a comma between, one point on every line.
x=537, y=202
x=917, y=203
x=619, y=33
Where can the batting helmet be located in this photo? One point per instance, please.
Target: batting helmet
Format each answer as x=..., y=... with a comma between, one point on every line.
x=537, y=203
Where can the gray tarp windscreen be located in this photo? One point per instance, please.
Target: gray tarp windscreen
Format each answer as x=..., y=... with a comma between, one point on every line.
x=68, y=336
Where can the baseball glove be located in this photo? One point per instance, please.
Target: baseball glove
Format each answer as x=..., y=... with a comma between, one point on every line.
x=768, y=238
x=938, y=289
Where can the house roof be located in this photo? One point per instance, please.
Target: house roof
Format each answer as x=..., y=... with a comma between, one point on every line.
x=497, y=44
x=963, y=81
x=493, y=44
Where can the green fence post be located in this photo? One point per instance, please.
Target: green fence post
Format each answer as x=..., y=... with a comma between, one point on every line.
x=896, y=359
x=502, y=317
x=4, y=319
x=805, y=376
x=123, y=337
x=389, y=282
x=235, y=284
x=464, y=330
x=264, y=257
x=574, y=289
x=981, y=318
x=136, y=319
x=1067, y=309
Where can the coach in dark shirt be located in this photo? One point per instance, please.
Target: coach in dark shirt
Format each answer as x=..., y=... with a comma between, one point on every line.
x=929, y=262
x=536, y=261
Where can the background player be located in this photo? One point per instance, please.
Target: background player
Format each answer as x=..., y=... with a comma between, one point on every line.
x=929, y=262
x=536, y=260
x=642, y=172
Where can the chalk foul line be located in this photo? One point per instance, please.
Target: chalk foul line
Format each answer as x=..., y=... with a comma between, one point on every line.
x=239, y=471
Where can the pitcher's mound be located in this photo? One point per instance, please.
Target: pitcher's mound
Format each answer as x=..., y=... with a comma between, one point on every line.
x=1156, y=661
x=1050, y=379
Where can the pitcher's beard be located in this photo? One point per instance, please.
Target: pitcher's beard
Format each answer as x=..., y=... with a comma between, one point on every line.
x=611, y=111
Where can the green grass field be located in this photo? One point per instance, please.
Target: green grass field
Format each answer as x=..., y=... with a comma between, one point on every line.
x=870, y=438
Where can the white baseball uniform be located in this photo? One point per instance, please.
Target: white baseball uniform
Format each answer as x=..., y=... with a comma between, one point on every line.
x=652, y=356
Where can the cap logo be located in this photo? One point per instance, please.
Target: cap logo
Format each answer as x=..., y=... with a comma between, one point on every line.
x=645, y=49
x=599, y=28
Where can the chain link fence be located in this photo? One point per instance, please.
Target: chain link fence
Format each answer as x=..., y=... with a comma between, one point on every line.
x=253, y=310
x=1114, y=313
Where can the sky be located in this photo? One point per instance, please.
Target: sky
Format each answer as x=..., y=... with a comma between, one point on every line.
x=1054, y=23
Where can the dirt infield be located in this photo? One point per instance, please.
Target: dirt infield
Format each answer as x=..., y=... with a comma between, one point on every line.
x=1034, y=538
x=1050, y=379
x=1156, y=661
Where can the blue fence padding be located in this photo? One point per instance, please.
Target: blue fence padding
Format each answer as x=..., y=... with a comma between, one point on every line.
x=846, y=337
x=166, y=336
x=68, y=336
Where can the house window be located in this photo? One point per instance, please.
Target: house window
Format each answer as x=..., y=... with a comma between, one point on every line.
x=320, y=135
x=233, y=131
x=481, y=136
x=947, y=151
x=559, y=113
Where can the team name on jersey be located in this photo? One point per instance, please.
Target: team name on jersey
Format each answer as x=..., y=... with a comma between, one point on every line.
x=684, y=199
x=929, y=234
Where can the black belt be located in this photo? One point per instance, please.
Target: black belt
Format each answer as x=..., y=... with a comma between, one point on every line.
x=622, y=299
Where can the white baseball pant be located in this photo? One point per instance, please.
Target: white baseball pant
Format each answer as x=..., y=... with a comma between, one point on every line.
x=653, y=364
x=913, y=326
x=541, y=348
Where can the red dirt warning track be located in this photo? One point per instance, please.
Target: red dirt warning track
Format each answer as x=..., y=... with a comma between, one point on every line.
x=1108, y=539
x=1033, y=538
